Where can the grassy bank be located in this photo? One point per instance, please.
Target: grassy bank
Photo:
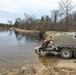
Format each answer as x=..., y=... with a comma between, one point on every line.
x=23, y=31
x=47, y=33
x=33, y=31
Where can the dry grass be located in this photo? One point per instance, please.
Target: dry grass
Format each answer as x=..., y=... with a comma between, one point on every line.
x=23, y=31
x=39, y=70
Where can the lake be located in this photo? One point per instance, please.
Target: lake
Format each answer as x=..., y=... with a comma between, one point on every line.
x=17, y=49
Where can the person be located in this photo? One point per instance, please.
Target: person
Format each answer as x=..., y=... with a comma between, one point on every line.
x=47, y=41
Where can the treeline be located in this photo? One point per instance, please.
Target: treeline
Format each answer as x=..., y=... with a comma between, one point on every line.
x=63, y=19
x=54, y=23
x=6, y=25
x=31, y=23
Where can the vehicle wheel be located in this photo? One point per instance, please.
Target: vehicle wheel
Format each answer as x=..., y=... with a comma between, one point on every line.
x=66, y=53
x=75, y=54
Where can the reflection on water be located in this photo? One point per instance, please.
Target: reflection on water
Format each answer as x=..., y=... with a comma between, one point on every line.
x=25, y=37
x=17, y=49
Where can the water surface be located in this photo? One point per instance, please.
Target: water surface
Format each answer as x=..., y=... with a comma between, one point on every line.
x=17, y=49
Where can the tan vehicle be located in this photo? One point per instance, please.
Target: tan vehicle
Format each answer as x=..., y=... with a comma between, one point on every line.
x=64, y=44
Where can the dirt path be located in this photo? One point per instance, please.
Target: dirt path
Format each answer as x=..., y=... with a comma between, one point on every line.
x=67, y=63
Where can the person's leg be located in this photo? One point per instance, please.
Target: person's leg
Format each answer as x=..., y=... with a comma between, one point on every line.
x=45, y=44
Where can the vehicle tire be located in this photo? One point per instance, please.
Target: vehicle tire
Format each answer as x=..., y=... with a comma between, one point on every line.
x=66, y=53
x=75, y=54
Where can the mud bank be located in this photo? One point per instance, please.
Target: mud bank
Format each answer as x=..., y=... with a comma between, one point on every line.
x=39, y=70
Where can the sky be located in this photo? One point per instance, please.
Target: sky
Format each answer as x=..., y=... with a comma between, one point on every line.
x=12, y=9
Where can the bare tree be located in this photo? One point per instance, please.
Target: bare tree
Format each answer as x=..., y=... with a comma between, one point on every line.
x=18, y=23
x=55, y=15
x=66, y=7
x=10, y=22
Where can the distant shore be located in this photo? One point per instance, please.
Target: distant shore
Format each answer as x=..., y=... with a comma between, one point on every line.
x=47, y=33
x=33, y=31
x=23, y=30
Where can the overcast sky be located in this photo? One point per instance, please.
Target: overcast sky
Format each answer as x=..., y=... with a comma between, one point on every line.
x=12, y=9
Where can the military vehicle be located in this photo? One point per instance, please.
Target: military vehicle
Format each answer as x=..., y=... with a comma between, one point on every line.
x=64, y=44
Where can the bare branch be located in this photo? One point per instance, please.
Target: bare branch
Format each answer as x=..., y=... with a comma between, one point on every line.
x=66, y=7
